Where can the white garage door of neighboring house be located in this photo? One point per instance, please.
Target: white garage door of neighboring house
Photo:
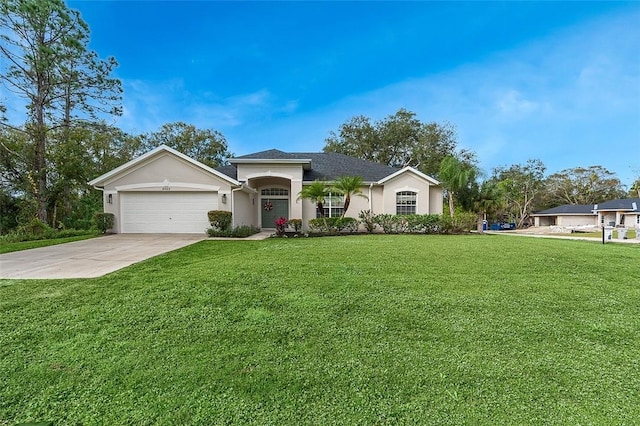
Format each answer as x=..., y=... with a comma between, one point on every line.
x=166, y=212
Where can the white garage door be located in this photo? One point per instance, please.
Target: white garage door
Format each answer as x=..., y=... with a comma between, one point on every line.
x=166, y=212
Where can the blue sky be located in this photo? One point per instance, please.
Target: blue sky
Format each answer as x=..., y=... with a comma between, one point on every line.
x=558, y=81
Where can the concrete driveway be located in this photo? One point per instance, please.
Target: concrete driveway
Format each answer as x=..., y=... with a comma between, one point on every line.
x=91, y=258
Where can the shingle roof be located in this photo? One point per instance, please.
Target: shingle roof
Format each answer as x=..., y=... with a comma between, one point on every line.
x=230, y=171
x=270, y=154
x=630, y=204
x=567, y=209
x=324, y=165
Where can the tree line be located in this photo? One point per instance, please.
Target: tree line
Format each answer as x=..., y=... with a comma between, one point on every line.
x=69, y=95
x=509, y=193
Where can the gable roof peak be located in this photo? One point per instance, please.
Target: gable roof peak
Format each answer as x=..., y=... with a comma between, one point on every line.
x=269, y=154
x=129, y=165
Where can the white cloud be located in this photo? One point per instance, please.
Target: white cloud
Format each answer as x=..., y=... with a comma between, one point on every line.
x=571, y=99
x=148, y=105
x=512, y=103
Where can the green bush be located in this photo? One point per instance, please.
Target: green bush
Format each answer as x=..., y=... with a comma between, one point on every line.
x=319, y=225
x=333, y=225
x=387, y=222
x=219, y=219
x=397, y=224
x=37, y=228
x=20, y=234
x=104, y=221
x=464, y=222
x=346, y=224
x=426, y=224
x=296, y=224
x=366, y=219
x=237, y=232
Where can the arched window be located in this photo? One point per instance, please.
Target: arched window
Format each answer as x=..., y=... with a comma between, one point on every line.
x=274, y=192
x=406, y=202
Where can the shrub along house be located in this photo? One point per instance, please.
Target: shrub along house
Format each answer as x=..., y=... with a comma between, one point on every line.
x=165, y=191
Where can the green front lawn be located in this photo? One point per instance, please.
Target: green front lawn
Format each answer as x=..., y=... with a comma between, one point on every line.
x=347, y=330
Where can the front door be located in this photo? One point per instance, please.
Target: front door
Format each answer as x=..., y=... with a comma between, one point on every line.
x=272, y=210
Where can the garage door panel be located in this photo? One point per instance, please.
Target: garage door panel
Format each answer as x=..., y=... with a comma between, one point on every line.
x=166, y=212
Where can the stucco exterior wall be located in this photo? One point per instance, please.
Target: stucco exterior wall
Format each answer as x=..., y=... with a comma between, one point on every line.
x=577, y=220
x=308, y=209
x=376, y=200
x=112, y=205
x=245, y=212
x=544, y=220
x=162, y=173
x=358, y=203
x=407, y=182
x=165, y=167
x=249, y=171
x=269, y=182
x=632, y=220
x=436, y=200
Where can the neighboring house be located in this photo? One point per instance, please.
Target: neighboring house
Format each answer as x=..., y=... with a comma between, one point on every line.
x=165, y=191
x=566, y=215
x=622, y=212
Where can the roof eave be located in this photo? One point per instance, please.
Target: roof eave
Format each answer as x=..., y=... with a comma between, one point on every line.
x=412, y=170
x=305, y=162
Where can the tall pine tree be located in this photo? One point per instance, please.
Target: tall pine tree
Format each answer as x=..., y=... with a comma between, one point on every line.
x=47, y=63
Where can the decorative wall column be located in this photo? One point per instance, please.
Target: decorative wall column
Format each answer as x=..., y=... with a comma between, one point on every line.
x=295, y=211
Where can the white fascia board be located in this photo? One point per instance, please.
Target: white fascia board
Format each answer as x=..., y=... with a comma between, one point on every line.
x=105, y=177
x=365, y=183
x=305, y=162
x=412, y=170
x=248, y=189
x=622, y=209
x=269, y=161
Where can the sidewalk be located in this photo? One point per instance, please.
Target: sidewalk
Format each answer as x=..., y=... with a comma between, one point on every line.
x=262, y=235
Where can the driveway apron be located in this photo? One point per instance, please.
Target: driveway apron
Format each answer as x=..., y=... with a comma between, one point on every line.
x=90, y=258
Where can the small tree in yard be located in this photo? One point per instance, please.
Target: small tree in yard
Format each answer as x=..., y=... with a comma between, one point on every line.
x=348, y=186
x=456, y=175
x=316, y=192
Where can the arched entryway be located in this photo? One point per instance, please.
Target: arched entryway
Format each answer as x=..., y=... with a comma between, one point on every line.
x=274, y=204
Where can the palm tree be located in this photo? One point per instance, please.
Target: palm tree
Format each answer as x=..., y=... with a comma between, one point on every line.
x=315, y=192
x=489, y=199
x=455, y=175
x=348, y=186
x=635, y=187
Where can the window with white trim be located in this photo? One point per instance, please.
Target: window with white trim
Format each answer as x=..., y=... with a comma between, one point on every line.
x=333, y=205
x=406, y=202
